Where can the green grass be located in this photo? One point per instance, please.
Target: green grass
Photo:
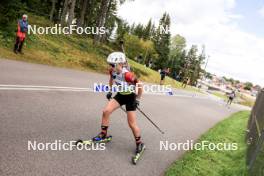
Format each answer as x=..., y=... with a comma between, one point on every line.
x=217, y=163
x=72, y=51
x=246, y=101
x=240, y=99
x=220, y=95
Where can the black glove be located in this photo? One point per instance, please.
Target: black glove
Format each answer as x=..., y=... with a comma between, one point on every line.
x=109, y=95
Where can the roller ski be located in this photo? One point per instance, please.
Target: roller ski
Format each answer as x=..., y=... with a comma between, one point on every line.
x=139, y=152
x=97, y=139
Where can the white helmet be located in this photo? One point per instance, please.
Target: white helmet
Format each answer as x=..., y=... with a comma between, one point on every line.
x=116, y=58
x=25, y=16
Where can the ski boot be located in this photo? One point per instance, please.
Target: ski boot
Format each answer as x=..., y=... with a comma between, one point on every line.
x=101, y=138
x=139, y=151
x=97, y=139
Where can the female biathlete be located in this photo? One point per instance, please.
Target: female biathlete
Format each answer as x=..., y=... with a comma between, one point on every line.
x=123, y=78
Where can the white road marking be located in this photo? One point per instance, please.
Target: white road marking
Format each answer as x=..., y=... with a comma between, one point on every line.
x=78, y=89
x=34, y=86
x=42, y=89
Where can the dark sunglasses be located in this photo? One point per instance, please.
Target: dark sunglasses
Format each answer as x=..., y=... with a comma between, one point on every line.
x=112, y=65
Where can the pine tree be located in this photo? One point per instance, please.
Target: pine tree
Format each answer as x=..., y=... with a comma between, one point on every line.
x=147, y=31
x=139, y=30
x=162, y=41
x=193, y=65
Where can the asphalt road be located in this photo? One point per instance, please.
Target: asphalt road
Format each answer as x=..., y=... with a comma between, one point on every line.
x=48, y=114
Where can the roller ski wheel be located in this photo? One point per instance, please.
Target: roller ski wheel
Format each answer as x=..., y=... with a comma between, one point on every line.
x=91, y=141
x=139, y=152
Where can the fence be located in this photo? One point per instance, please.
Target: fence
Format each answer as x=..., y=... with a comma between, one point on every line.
x=255, y=138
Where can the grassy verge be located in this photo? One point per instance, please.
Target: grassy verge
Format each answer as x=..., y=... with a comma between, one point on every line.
x=220, y=95
x=217, y=163
x=72, y=51
x=246, y=101
x=240, y=99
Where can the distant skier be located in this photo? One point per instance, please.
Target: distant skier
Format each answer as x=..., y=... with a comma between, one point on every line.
x=122, y=77
x=185, y=81
x=231, y=97
x=22, y=27
x=163, y=74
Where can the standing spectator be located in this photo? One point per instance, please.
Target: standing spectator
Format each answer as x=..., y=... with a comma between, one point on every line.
x=163, y=74
x=174, y=75
x=179, y=76
x=22, y=27
x=140, y=59
x=185, y=81
x=150, y=63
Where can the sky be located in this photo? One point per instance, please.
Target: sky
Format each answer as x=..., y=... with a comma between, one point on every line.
x=231, y=30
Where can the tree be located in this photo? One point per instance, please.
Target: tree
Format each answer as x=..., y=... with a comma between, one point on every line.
x=191, y=62
x=139, y=30
x=162, y=41
x=64, y=11
x=248, y=86
x=111, y=20
x=237, y=81
x=68, y=8
x=208, y=75
x=192, y=68
x=198, y=70
x=122, y=29
x=92, y=10
x=147, y=31
x=56, y=17
x=178, y=43
x=177, y=55
x=83, y=12
x=136, y=47
x=101, y=18
x=10, y=10
x=71, y=11
x=51, y=14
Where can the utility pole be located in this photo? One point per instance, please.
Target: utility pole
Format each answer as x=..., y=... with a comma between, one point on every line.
x=206, y=62
x=205, y=66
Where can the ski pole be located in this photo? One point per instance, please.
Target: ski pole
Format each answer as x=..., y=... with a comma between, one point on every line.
x=150, y=120
x=162, y=132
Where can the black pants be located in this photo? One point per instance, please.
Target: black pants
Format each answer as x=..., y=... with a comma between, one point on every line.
x=128, y=100
x=18, y=45
x=230, y=99
x=162, y=76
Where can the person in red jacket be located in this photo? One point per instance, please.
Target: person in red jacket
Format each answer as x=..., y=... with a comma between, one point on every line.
x=22, y=27
x=121, y=76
